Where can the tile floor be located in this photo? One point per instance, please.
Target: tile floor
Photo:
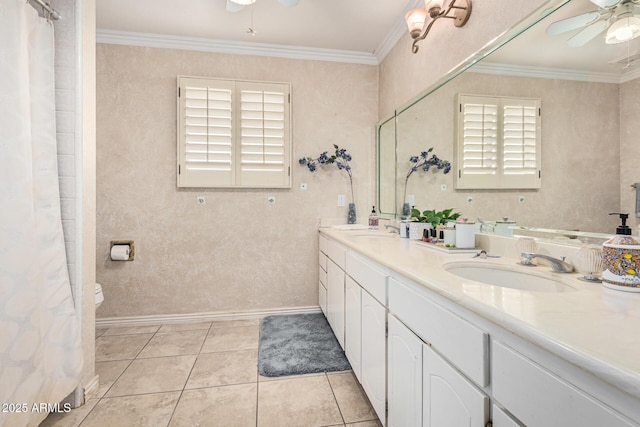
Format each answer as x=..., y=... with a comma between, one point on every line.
x=205, y=374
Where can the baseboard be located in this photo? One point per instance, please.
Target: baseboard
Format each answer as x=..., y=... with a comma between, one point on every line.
x=107, y=322
x=91, y=388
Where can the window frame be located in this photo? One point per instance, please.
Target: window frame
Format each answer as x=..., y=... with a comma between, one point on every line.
x=500, y=178
x=269, y=174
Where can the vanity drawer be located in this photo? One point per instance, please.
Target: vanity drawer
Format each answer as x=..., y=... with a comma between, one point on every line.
x=323, y=276
x=371, y=279
x=322, y=298
x=322, y=244
x=322, y=261
x=337, y=253
x=462, y=343
x=539, y=398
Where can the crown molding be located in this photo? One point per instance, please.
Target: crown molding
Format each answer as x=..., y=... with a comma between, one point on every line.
x=543, y=73
x=630, y=75
x=233, y=47
x=399, y=29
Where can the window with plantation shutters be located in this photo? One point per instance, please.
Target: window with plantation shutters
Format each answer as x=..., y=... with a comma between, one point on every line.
x=233, y=133
x=497, y=142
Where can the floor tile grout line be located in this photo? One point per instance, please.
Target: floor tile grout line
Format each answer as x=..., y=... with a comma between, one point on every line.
x=257, y=395
x=204, y=341
x=147, y=343
x=175, y=408
x=116, y=380
x=219, y=385
x=88, y=413
x=142, y=394
x=335, y=398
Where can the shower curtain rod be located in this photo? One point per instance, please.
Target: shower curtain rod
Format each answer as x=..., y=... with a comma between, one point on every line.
x=46, y=6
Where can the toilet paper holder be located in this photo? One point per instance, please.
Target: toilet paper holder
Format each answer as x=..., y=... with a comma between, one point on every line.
x=123, y=242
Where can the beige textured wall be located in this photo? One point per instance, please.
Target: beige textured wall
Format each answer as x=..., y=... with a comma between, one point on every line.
x=629, y=148
x=403, y=75
x=236, y=252
x=580, y=153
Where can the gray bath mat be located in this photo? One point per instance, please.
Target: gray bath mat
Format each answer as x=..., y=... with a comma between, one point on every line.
x=298, y=344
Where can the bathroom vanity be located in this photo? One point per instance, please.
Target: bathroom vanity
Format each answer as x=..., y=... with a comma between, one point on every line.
x=432, y=348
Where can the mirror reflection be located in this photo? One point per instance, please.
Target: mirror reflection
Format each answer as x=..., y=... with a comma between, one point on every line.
x=589, y=107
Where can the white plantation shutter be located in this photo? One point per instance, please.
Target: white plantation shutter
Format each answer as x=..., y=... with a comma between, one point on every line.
x=233, y=133
x=497, y=142
x=264, y=151
x=520, y=165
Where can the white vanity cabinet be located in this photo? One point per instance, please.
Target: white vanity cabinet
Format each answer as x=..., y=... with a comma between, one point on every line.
x=353, y=326
x=537, y=397
x=322, y=273
x=437, y=367
x=335, y=288
x=367, y=350
x=335, y=300
x=449, y=399
x=404, y=378
x=423, y=358
x=374, y=353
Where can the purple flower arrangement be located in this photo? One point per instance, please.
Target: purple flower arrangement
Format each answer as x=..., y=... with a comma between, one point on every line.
x=425, y=163
x=340, y=158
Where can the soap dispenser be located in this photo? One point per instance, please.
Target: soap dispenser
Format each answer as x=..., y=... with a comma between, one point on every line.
x=621, y=259
x=373, y=219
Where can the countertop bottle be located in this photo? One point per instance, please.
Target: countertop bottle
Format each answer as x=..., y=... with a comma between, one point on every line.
x=621, y=259
x=373, y=219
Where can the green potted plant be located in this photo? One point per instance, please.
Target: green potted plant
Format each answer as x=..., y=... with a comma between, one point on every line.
x=434, y=217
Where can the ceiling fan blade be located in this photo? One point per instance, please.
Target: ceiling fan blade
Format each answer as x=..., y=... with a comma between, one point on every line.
x=289, y=3
x=605, y=4
x=589, y=33
x=572, y=23
x=233, y=7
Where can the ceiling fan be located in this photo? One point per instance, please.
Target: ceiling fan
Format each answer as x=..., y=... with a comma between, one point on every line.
x=621, y=19
x=238, y=5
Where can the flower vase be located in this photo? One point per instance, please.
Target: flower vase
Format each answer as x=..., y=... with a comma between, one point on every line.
x=351, y=214
x=406, y=211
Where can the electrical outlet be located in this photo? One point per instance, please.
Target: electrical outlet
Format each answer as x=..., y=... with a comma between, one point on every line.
x=521, y=199
x=469, y=199
x=271, y=200
x=201, y=200
x=411, y=199
x=443, y=187
x=341, y=200
x=303, y=186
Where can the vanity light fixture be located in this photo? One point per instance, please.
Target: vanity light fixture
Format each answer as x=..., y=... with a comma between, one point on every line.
x=458, y=10
x=626, y=26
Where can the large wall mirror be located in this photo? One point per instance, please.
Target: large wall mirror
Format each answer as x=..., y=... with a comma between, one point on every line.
x=590, y=102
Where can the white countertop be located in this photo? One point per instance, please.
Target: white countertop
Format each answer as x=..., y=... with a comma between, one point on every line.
x=595, y=328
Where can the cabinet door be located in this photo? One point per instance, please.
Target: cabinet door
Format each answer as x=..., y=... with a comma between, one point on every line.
x=501, y=419
x=335, y=300
x=449, y=399
x=540, y=398
x=374, y=353
x=404, y=391
x=352, y=326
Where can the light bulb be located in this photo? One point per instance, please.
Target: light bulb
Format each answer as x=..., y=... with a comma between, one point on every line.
x=624, y=29
x=415, y=21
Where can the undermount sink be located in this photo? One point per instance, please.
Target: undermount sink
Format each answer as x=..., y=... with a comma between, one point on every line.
x=508, y=277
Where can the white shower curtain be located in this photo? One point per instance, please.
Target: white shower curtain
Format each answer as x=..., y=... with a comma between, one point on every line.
x=40, y=348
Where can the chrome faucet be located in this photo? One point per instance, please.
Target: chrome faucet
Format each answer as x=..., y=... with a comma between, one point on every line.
x=395, y=228
x=558, y=265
